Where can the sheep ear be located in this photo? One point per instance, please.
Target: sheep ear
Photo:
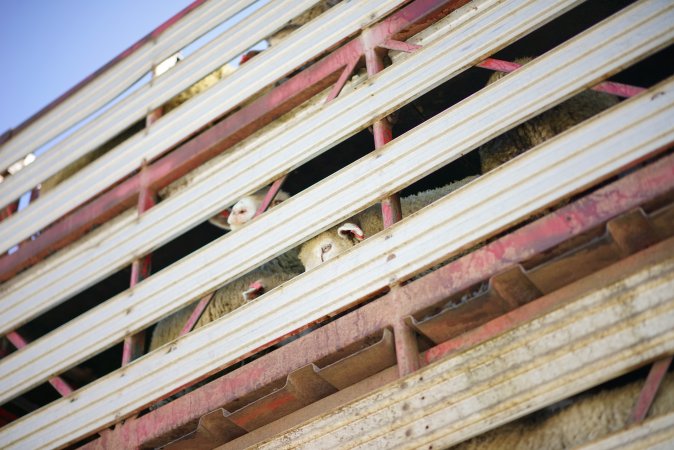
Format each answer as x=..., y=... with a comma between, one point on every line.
x=220, y=220
x=350, y=230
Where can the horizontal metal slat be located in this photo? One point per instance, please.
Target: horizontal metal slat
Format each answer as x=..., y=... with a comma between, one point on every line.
x=116, y=79
x=152, y=95
x=591, y=152
x=604, y=332
x=654, y=433
x=256, y=161
x=319, y=35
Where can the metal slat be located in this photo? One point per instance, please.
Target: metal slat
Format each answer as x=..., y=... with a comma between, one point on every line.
x=646, y=129
x=654, y=433
x=152, y=95
x=116, y=79
x=319, y=35
x=591, y=152
x=523, y=370
x=256, y=161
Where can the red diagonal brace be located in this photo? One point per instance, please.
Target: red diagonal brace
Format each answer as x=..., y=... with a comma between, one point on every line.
x=610, y=87
x=650, y=389
x=61, y=386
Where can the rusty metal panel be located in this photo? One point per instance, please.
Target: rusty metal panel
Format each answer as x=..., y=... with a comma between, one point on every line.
x=318, y=408
x=362, y=364
x=632, y=232
x=214, y=428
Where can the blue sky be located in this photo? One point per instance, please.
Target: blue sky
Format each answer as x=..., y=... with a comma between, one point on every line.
x=48, y=46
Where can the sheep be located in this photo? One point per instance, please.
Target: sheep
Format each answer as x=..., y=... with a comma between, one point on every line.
x=583, y=419
x=230, y=296
x=542, y=127
x=337, y=240
x=244, y=210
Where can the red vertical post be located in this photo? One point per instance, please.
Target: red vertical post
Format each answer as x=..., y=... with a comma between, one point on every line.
x=134, y=346
x=407, y=351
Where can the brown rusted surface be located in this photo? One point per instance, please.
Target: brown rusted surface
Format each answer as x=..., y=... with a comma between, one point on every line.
x=632, y=232
x=362, y=364
x=467, y=272
x=544, y=305
x=446, y=324
x=329, y=403
x=514, y=287
x=214, y=428
x=302, y=387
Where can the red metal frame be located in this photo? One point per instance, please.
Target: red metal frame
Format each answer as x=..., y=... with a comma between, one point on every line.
x=537, y=237
x=405, y=22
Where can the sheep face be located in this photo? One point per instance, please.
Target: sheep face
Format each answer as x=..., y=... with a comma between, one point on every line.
x=330, y=244
x=244, y=210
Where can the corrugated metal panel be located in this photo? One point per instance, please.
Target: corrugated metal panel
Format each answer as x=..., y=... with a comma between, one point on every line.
x=152, y=95
x=327, y=30
x=117, y=78
x=590, y=152
x=264, y=158
x=631, y=131
x=520, y=371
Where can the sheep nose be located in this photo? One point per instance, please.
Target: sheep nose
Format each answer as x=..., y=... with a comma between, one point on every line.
x=326, y=248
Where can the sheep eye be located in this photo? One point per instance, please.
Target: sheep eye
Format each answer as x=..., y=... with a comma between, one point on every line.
x=326, y=248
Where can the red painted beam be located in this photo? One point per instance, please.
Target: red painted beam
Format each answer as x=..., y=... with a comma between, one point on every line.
x=226, y=133
x=179, y=416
